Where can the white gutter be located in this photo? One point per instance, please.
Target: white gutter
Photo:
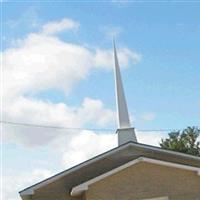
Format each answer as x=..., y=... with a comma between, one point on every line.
x=77, y=190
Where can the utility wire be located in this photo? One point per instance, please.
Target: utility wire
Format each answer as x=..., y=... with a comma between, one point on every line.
x=53, y=127
x=78, y=128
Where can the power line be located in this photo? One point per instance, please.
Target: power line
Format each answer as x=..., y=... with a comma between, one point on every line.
x=53, y=127
x=78, y=128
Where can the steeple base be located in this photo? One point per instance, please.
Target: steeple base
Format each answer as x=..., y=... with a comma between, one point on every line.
x=126, y=135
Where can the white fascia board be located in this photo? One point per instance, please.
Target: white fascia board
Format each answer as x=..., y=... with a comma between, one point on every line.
x=171, y=164
x=77, y=190
x=159, y=149
x=27, y=192
x=158, y=198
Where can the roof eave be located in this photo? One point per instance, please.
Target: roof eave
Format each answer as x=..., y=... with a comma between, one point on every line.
x=30, y=190
x=78, y=190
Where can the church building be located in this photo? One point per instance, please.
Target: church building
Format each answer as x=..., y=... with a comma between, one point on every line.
x=131, y=171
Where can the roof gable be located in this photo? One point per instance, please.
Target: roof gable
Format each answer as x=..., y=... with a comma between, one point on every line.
x=78, y=190
x=113, y=159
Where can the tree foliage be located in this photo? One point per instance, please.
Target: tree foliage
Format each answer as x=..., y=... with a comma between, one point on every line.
x=185, y=141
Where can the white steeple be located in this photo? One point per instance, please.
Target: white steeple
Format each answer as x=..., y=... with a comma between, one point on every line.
x=125, y=132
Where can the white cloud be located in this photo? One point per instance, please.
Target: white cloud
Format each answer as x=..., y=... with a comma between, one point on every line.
x=41, y=62
x=86, y=145
x=148, y=116
x=104, y=58
x=44, y=62
x=58, y=26
x=150, y=137
x=112, y=31
x=14, y=181
x=94, y=111
x=46, y=113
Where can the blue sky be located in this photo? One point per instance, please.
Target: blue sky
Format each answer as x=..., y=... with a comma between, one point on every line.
x=166, y=81
x=161, y=82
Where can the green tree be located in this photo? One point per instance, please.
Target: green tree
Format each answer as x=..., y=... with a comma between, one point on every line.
x=185, y=141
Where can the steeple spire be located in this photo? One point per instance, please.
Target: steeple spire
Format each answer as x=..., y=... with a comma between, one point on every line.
x=125, y=132
x=122, y=111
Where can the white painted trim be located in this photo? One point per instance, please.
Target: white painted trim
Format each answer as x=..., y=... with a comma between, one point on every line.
x=30, y=190
x=171, y=164
x=77, y=190
x=158, y=149
x=80, y=188
x=158, y=198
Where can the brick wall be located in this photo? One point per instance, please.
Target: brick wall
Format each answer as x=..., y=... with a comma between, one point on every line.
x=145, y=180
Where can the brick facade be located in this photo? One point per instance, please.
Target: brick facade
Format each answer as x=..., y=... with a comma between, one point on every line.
x=143, y=181
x=140, y=181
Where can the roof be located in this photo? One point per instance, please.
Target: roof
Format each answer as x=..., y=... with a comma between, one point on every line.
x=109, y=160
x=79, y=189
